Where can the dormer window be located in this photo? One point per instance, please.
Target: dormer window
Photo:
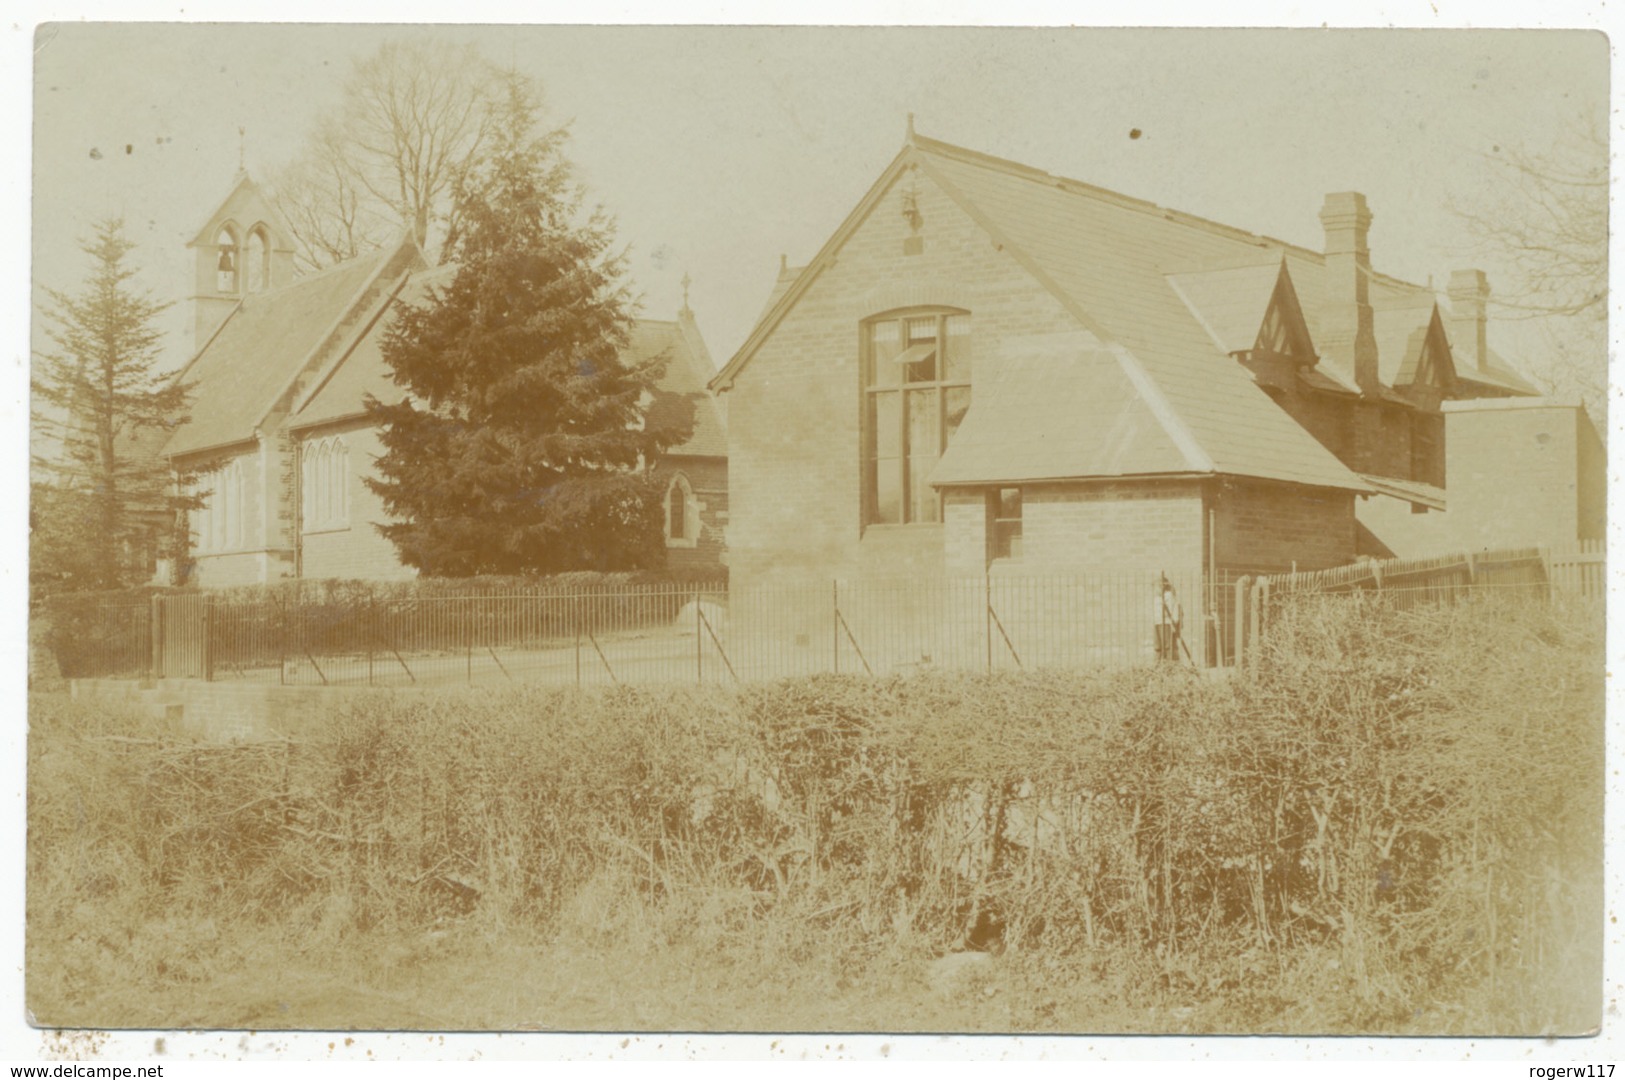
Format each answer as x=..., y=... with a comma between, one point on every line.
x=226, y=266
x=916, y=377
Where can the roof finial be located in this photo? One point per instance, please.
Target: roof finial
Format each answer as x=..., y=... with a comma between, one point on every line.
x=910, y=127
x=686, y=282
x=242, y=139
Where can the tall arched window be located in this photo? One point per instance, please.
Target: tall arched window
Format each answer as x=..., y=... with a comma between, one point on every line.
x=257, y=260
x=226, y=265
x=219, y=521
x=325, y=477
x=682, y=513
x=231, y=505
x=916, y=377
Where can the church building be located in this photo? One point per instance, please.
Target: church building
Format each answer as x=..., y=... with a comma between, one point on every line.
x=278, y=441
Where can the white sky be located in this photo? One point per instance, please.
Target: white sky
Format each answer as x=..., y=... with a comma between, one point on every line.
x=718, y=149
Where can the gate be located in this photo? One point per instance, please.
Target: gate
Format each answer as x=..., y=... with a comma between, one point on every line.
x=180, y=643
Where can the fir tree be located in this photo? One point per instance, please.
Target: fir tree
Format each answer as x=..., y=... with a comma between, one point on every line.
x=520, y=446
x=105, y=498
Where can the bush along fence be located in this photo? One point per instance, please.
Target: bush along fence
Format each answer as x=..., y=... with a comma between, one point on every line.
x=1333, y=845
x=1404, y=584
x=595, y=632
x=615, y=633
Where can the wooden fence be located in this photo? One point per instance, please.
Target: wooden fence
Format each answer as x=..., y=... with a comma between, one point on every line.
x=1542, y=572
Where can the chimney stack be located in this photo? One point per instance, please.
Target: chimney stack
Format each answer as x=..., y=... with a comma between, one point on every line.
x=1469, y=319
x=1347, y=335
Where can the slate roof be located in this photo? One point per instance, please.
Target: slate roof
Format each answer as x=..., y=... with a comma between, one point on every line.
x=260, y=348
x=1106, y=258
x=362, y=371
x=1171, y=295
x=1023, y=426
x=1409, y=490
x=682, y=388
x=1231, y=303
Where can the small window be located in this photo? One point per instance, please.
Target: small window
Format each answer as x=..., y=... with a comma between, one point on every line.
x=677, y=514
x=1004, y=524
x=682, y=514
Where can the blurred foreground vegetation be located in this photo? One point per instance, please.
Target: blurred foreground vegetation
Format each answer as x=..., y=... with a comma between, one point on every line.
x=1393, y=825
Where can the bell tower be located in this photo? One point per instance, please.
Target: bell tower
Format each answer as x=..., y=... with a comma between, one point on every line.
x=242, y=249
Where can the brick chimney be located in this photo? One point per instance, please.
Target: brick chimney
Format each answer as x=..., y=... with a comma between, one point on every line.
x=1469, y=319
x=1348, y=341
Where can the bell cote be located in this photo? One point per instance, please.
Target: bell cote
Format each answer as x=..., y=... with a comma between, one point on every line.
x=243, y=248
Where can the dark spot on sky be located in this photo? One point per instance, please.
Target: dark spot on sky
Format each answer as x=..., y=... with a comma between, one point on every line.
x=95, y=154
x=129, y=148
x=1134, y=133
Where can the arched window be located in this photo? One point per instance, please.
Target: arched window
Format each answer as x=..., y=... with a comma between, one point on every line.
x=226, y=265
x=231, y=506
x=325, y=476
x=682, y=513
x=257, y=260
x=916, y=378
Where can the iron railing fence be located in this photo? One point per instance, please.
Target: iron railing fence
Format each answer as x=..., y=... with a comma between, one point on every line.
x=114, y=643
x=671, y=633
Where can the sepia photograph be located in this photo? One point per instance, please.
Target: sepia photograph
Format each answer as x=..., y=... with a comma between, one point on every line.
x=872, y=529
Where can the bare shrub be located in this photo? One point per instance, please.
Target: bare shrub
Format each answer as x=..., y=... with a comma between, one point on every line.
x=1393, y=825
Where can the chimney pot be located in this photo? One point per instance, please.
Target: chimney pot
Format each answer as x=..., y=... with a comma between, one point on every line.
x=1348, y=332
x=1469, y=319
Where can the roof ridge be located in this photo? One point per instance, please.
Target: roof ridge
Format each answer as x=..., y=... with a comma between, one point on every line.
x=1130, y=202
x=1082, y=187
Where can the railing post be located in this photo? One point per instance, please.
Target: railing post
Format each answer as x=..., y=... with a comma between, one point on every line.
x=576, y=606
x=370, y=624
x=835, y=622
x=699, y=642
x=208, y=639
x=156, y=660
x=987, y=614
x=468, y=636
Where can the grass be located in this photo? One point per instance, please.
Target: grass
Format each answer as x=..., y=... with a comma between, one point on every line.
x=1334, y=846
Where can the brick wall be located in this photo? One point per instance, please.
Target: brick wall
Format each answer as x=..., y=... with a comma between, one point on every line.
x=1265, y=525
x=1149, y=526
x=1512, y=472
x=708, y=477
x=794, y=470
x=357, y=550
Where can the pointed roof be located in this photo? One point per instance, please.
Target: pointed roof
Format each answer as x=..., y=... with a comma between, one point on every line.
x=245, y=193
x=1105, y=258
x=262, y=346
x=337, y=395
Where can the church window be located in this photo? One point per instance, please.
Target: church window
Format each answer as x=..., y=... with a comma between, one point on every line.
x=324, y=477
x=916, y=369
x=682, y=513
x=219, y=522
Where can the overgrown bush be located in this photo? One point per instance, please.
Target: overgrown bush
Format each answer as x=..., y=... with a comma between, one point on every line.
x=1400, y=809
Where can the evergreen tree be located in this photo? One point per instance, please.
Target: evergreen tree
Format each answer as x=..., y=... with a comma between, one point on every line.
x=520, y=445
x=105, y=497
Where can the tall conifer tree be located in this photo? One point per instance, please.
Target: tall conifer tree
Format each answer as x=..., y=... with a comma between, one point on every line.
x=104, y=499
x=520, y=446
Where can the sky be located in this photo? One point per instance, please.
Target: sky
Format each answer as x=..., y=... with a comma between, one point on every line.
x=717, y=149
